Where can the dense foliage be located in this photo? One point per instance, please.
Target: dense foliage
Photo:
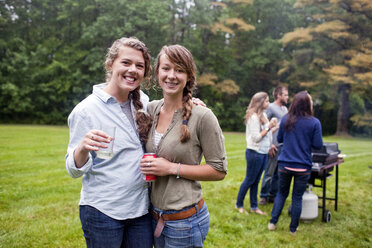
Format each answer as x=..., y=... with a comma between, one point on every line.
x=335, y=44
x=52, y=52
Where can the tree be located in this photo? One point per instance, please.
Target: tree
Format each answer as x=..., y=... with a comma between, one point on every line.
x=52, y=52
x=335, y=43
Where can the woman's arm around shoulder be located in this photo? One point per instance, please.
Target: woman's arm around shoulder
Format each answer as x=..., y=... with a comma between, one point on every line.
x=153, y=105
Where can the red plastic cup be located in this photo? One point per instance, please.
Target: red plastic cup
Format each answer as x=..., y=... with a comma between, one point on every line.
x=149, y=178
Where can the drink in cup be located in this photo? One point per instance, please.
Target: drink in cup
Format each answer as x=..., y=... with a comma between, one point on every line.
x=275, y=120
x=149, y=178
x=107, y=153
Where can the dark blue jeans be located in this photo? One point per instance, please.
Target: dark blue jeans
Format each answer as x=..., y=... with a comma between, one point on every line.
x=255, y=165
x=190, y=232
x=103, y=231
x=299, y=187
x=270, y=180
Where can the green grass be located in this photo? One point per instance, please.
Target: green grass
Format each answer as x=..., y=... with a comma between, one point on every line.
x=39, y=201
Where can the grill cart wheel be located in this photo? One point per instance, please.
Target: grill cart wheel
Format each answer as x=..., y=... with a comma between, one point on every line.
x=327, y=216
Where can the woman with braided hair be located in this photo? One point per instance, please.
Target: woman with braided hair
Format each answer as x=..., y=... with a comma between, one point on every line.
x=114, y=203
x=180, y=135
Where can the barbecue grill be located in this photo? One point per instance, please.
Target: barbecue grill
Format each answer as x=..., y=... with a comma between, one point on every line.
x=324, y=161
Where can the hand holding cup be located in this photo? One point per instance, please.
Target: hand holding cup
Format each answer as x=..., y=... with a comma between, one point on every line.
x=273, y=122
x=107, y=151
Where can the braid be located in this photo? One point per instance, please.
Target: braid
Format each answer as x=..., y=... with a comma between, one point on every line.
x=144, y=121
x=180, y=56
x=186, y=112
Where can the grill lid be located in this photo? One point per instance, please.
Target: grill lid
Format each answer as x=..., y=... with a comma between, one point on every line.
x=327, y=154
x=327, y=148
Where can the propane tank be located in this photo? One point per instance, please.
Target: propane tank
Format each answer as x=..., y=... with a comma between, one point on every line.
x=309, y=205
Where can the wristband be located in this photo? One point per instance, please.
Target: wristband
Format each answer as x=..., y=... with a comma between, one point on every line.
x=178, y=170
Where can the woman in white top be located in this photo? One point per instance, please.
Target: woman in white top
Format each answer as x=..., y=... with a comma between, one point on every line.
x=258, y=136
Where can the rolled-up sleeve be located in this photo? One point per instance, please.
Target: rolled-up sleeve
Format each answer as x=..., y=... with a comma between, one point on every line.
x=212, y=142
x=79, y=125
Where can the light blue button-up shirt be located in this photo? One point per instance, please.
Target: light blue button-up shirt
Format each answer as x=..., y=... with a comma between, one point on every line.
x=114, y=186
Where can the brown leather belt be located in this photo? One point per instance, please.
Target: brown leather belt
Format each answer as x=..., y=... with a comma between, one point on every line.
x=180, y=215
x=176, y=216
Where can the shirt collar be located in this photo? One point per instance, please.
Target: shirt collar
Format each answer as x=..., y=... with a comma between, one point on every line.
x=101, y=94
x=176, y=112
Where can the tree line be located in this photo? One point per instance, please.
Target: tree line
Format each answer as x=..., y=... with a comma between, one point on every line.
x=52, y=52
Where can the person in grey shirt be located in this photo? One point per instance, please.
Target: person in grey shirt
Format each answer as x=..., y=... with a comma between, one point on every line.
x=114, y=202
x=181, y=135
x=270, y=183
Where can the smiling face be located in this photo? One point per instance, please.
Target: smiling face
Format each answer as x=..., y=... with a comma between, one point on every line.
x=127, y=73
x=172, y=78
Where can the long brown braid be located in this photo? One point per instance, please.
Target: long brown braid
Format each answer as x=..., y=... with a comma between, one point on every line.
x=186, y=112
x=143, y=120
x=182, y=57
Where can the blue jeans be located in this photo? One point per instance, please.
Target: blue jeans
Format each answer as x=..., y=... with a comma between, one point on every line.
x=270, y=180
x=190, y=232
x=299, y=187
x=255, y=165
x=103, y=231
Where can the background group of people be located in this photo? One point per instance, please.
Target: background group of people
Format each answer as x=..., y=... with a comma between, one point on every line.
x=117, y=208
x=279, y=141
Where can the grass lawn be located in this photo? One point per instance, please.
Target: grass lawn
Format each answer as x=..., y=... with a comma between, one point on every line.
x=39, y=201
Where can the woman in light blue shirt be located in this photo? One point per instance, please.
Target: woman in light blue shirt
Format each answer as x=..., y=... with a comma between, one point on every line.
x=114, y=203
